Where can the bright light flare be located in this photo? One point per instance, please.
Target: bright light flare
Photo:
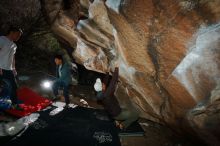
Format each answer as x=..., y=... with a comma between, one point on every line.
x=46, y=84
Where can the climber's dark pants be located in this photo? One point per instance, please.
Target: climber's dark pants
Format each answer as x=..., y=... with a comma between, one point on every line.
x=8, y=77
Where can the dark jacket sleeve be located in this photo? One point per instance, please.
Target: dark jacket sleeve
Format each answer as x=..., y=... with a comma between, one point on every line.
x=112, y=85
x=65, y=74
x=57, y=72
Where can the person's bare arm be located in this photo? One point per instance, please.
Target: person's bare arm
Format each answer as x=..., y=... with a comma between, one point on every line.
x=13, y=66
x=112, y=85
x=105, y=81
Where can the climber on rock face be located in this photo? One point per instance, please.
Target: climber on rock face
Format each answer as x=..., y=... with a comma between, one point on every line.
x=105, y=93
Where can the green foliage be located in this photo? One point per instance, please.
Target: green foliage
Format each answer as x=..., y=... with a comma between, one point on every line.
x=35, y=52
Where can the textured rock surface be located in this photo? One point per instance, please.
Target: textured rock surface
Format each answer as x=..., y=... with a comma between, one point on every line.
x=23, y=13
x=204, y=119
x=168, y=52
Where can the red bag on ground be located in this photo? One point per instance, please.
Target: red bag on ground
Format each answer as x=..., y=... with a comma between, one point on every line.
x=32, y=102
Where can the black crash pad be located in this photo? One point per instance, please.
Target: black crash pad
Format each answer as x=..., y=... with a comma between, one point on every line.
x=79, y=127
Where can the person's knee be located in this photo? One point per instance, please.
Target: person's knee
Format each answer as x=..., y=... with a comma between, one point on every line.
x=55, y=85
x=66, y=87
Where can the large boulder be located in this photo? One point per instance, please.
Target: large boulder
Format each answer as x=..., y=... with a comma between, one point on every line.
x=168, y=50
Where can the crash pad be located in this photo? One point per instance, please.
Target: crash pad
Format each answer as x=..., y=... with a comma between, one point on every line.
x=77, y=126
x=31, y=102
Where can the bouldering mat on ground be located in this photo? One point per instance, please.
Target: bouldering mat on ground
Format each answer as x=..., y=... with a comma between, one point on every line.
x=78, y=127
x=31, y=102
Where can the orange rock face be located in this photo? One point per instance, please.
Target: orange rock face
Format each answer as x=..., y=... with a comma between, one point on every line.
x=168, y=50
